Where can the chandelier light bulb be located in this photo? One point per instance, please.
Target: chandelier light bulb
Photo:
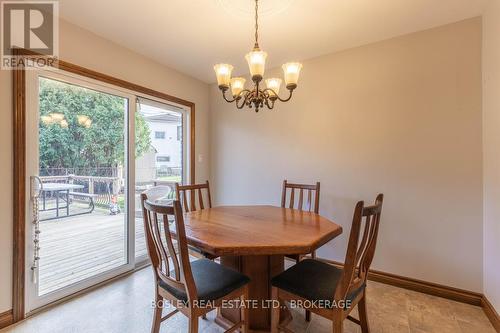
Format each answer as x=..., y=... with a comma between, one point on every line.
x=291, y=71
x=274, y=84
x=223, y=73
x=256, y=63
x=237, y=85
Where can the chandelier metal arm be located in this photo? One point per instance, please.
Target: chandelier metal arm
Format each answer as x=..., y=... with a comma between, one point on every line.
x=288, y=98
x=259, y=98
x=225, y=98
x=270, y=103
x=235, y=98
x=244, y=99
x=276, y=96
x=242, y=96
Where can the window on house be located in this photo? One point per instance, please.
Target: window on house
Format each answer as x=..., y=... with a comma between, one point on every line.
x=159, y=135
x=179, y=133
x=163, y=159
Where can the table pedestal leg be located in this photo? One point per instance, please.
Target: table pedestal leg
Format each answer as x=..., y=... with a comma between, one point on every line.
x=260, y=270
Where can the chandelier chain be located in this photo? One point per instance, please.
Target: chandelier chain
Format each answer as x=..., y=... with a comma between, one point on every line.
x=256, y=23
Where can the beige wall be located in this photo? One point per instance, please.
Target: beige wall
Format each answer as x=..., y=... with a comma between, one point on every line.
x=86, y=49
x=491, y=139
x=402, y=117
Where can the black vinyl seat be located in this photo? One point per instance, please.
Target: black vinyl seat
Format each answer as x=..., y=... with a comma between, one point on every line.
x=212, y=281
x=313, y=280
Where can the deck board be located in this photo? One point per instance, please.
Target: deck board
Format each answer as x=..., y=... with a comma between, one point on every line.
x=77, y=247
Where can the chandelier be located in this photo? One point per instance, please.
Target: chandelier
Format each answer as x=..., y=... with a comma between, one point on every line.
x=257, y=97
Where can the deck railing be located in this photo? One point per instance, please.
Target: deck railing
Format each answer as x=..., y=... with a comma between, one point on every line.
x=104, y=188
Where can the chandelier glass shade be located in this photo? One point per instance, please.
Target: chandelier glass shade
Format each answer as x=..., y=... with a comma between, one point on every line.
x=257, y=97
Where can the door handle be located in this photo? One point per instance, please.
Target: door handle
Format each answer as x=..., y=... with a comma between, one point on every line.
x=36, y=187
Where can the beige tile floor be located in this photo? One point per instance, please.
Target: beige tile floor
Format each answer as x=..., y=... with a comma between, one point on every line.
x=124, y=307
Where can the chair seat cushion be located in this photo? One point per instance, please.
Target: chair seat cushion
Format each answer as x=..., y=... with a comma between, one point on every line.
x=212, y=280
x=313, y=280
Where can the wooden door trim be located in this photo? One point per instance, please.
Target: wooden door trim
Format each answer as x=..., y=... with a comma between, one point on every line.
x=18, y=288
x=19, y=163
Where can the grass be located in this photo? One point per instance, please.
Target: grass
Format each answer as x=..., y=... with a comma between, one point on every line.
x=176, y=179
x=121, y=202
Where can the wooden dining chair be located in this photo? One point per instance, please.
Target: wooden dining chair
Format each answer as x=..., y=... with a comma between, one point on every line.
x=301, y=188
x=329, y=291
x=189, y=194
x=307, y=194
x=300, y=202
x=193, y=288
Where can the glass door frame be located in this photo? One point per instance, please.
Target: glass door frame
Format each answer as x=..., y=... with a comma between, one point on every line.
x=32, y=300
x=31, y=303
x=19, y=153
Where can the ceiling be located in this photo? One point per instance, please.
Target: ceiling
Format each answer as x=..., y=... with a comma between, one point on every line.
x=193, y=35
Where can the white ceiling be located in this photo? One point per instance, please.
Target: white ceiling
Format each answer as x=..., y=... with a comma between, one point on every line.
x=193, y=35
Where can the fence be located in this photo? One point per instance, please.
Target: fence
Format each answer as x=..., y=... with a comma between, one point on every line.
x=164, y=171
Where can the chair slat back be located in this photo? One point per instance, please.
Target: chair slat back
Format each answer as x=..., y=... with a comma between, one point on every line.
x=160, y=244
x=361, y=247
x=190, y=194
x=303, y=190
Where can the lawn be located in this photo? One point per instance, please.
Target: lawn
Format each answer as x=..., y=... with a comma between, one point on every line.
x=176, y=179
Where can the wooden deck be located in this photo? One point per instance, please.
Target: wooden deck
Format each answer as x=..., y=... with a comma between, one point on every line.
x=77, y=247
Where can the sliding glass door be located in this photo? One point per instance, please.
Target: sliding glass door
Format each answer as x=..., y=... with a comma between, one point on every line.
x=91, y=150
x=159, y=138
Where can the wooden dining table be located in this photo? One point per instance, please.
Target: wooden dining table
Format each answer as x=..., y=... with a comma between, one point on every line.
x=254, y=241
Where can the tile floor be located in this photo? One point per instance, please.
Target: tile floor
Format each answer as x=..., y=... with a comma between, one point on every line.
x=124, y=307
